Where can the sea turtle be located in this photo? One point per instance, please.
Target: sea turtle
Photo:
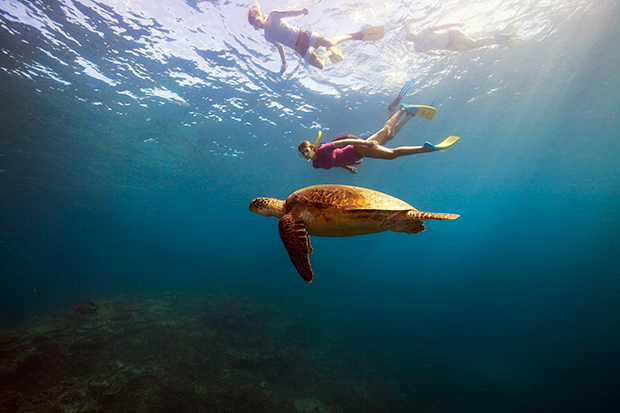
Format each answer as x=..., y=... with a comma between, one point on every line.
x=337, y=211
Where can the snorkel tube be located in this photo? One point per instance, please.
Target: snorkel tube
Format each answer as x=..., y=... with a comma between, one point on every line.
x=260, y=13
x=317, y=139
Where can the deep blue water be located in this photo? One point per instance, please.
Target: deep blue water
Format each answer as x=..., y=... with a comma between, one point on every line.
x=132, y=139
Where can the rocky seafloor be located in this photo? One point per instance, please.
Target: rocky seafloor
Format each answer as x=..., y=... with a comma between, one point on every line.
x=219, y=352
x=175, y=352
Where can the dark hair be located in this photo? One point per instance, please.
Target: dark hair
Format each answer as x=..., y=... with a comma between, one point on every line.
x=253, y=14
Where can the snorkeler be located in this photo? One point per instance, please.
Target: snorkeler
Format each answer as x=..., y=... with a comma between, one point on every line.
x=349, y=150
x=302, y=41
x=441, y=39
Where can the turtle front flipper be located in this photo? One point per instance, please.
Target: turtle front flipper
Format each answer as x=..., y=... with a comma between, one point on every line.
x=297, y=243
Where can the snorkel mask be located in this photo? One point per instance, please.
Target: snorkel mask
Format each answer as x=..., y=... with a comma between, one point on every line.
x=312, y=147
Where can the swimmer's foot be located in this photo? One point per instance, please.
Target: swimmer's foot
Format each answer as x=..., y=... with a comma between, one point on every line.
x=426, y=112
x=336, y=55
x=449, y=141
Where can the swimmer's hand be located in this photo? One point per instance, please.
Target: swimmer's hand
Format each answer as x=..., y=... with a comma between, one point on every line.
x=305, y=11
x=350, y=169
x=283, y=68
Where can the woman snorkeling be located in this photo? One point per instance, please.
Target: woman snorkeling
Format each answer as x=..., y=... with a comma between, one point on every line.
x=348, y=150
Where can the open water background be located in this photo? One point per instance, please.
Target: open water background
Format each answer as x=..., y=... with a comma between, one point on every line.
x=134, y=134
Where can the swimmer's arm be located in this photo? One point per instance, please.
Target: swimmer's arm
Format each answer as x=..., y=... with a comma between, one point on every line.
x=280, y=48
x=291, y=13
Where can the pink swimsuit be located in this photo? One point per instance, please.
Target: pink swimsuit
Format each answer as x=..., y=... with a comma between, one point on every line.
x=329, y=157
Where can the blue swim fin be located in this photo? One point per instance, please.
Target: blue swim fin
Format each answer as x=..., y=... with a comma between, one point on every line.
x=401, y=95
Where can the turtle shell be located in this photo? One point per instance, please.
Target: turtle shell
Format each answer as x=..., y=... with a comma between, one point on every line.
x=342, y=211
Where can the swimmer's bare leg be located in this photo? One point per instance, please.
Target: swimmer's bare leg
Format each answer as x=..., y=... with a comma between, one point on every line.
x=382, y=152
x=327, y=43
x=389, y=129
x=399, y=125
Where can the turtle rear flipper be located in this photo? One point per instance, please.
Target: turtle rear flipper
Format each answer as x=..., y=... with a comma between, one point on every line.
x=402, y=222
x=412, y=222
x=297, y=243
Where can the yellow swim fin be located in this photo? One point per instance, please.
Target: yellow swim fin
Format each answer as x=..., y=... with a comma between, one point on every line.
x=373, y=33
x=426, y=112
x=336, y=55
x=449, y=141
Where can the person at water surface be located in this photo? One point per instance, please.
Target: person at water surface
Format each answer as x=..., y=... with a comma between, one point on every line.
x=348, y=150
x=304, y=42
x=444, y=38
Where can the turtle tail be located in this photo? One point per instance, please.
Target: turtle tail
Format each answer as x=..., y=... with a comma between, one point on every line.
x=430, y=215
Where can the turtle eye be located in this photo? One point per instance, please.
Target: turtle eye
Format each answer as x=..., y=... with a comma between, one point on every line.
x=258, y=204
x=254, y=205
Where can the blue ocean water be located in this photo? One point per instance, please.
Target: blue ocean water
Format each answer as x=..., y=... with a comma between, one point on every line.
x=133, y=136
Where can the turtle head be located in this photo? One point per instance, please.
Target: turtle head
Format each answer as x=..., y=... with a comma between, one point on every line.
x=267, y=207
